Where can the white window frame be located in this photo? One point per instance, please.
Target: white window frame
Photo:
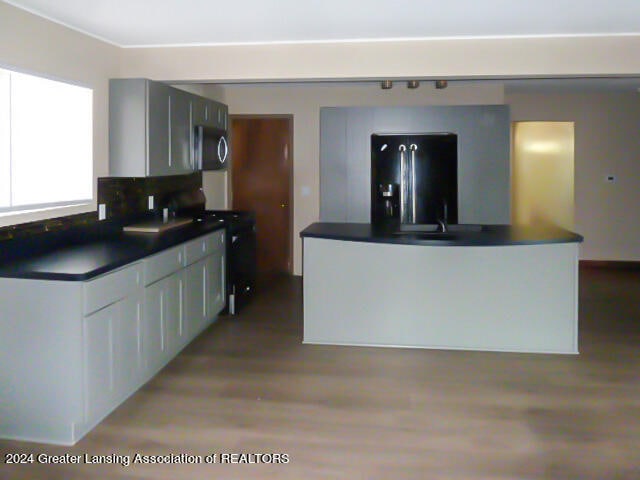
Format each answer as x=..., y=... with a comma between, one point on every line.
x=8, y=205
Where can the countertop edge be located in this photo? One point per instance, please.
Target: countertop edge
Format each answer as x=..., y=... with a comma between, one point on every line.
x=499, y=235
x=187, y=235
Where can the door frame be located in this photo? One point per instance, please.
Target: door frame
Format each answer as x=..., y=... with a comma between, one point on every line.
x=290, y=161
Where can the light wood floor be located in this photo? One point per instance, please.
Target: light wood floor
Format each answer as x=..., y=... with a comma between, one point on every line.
x=248, y=385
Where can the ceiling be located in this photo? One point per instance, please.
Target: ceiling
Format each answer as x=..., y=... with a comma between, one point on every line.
x=147, y=23
x=134, y=23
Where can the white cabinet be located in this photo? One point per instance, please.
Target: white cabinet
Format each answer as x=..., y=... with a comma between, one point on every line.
x=163, y=322
x=196, y=311
x=215, y=275
x=99, y=361
x=112, y=340
x=72, y=351
x=164, y=332
x=204, y=281
x=112, y=352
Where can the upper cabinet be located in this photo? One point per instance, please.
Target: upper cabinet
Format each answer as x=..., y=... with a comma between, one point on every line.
x=210, y=113
x=151, y=127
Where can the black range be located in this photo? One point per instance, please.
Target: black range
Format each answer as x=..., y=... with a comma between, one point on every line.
x=241, y=255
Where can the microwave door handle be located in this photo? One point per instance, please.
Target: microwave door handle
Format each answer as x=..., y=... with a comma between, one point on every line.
x=403, y=184
x=223, y=150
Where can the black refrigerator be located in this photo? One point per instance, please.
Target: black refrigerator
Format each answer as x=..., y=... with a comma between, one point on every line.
x=414, y=178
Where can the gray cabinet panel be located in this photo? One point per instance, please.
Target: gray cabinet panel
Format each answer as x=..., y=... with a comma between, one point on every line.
x=154, y=341
x=158, y=129
x=180, y=158
x=64, y=370
x=214, y=287
x=195, y=314
x=99, y=361
x=110, y=288
x=163, y=264
x=484, y=185
x=333, y=164
x=128, y=360
x=151, y=127
x=128, y=127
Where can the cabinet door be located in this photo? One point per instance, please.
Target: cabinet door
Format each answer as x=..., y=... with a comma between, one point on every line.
x=153, y=340
x=214, y=289
x=195, y=313
x=201, y=111
x=164, y=330
x=99, y=354
x=128, y=361
x=222, y=114
x=180, y=138
x=175, y=327
x=158, y=121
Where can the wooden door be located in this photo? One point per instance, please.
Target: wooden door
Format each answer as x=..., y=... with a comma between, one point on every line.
x=261, y=181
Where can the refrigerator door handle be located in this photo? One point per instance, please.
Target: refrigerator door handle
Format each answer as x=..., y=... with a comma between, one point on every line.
x=413, y=149
x=403, y=182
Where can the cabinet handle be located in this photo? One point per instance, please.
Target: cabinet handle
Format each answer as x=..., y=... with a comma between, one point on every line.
x=169, y=136
x=204, y=292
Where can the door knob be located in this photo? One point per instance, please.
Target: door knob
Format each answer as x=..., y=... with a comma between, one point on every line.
x=283, y=205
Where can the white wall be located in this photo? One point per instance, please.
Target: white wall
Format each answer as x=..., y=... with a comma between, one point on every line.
x=39, y=46
x=606, y=142
x=471, y=57
x=304, y=102
x=33, y=45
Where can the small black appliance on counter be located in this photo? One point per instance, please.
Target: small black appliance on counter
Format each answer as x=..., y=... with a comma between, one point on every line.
x=241, y=255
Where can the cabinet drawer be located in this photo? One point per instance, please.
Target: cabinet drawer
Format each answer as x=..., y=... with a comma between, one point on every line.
x=111, y=287
x=196, y=249
x=201, y=247
x=163, y=264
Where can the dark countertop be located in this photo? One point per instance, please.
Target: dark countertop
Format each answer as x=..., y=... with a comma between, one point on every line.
x=458, y=235
x=84, y=259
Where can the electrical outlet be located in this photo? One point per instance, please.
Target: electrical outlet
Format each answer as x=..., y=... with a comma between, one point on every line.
x=150, y=202
x=102, y=211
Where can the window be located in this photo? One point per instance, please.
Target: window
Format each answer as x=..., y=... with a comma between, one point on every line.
x=46, y=147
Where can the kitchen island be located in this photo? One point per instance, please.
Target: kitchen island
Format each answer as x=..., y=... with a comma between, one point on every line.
x=494, y=288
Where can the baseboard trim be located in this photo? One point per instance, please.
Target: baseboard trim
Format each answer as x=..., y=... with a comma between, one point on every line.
x=611, y=264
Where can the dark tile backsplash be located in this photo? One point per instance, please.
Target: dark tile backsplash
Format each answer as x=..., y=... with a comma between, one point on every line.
x=126, y=200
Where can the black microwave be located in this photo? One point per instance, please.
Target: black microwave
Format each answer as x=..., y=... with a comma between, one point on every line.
x=210, y=148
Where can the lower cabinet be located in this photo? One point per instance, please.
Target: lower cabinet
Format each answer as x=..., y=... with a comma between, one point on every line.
x=164, y=332
x=187, y=297
x=72, y=351
x=196, y=312
x=215, y=275
x=112, y=353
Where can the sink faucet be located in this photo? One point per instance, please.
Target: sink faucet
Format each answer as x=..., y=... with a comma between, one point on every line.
x=442, y=222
